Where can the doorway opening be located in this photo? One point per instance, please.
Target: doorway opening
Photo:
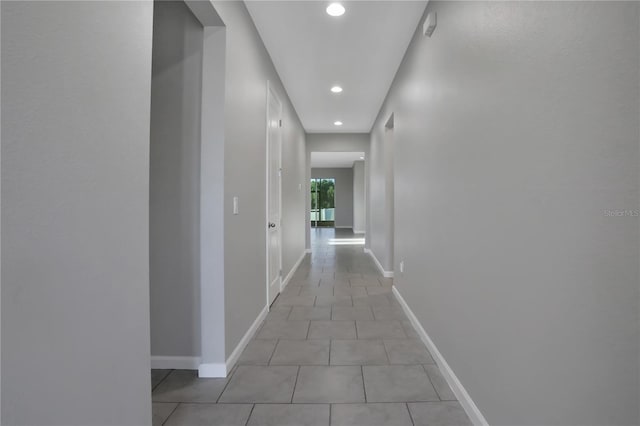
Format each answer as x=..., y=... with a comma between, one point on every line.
x=186, y=215
x=323, y=204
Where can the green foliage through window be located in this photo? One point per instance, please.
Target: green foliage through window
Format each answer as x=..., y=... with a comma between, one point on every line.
x=323, y=191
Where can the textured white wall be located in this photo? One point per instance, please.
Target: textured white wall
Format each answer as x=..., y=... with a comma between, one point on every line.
x=516, y=127
x=76, y=79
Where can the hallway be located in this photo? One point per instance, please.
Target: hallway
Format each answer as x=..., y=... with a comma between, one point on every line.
x=336, y=348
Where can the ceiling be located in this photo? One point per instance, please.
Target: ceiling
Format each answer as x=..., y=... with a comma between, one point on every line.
x=360, y=51
x=335, y=159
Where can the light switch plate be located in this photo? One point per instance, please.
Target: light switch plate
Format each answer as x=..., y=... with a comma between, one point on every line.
x=235, y=205
x=429, y=25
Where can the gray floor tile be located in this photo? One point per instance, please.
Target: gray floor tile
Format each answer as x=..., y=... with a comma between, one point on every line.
x=373, y=291
x=310, y=313
x=210, y=415
x=301, y=352
x=336, y=282
x=295, y=301
x=386, y=281
x=350, y=291
x=375, y=300
x=186, y=386
x=388, y=329
x=334, y=301
x=157, y=376
x=317, y=291
x=439, y=383
x=278, y=329
x=278, y=313
x=257, y=352
x=160, y=412
x=332, y=330
x=329, y=385
x=291, y=290
x=351, y=313
x=407, y=351
x=358, y=352
x=398, y=383
x=445, y=413
x=364, y=282
x=290, y=415
x=370, y=415
x=409, y=330
x=261, y=384
x=388, y=313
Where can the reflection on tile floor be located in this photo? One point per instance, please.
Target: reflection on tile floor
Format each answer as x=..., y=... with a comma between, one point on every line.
x=335, y=349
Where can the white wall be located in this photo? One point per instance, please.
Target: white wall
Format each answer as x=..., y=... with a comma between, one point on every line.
x=212, y=320
x=176, y=92
x=380, y=237
x=330, y=142
x=248, y=67
x=359, y=205
x=75, y=209
x=516, y=127
x=343, y=193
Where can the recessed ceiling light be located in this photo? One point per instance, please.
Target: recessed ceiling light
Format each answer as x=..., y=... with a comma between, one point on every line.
x=335, y=9
x=336, y=89
x=338, y=123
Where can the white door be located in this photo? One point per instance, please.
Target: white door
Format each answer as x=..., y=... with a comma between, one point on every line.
x=274, y=135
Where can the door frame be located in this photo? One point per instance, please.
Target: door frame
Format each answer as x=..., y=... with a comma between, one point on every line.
x=271, y=93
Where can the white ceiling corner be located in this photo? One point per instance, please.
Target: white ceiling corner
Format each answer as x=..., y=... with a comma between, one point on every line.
x=360, y=51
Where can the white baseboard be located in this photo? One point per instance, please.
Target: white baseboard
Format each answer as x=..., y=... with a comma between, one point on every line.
x=212, y=370
x=357, y=231
x=386, y=274
x=221, y=370
x=307, y=250
x=292, y=271
x=465, y=400
x=175, y=362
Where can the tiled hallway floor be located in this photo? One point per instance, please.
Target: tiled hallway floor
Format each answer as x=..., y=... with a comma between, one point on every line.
x=336, y=349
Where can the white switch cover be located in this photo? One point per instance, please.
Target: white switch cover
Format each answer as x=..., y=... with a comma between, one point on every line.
x=235, y=205
x=299, y=187
x=429, y=25
x=402, y=266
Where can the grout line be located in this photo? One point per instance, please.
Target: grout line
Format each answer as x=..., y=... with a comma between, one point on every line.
x=364, y=389
x=162, y=380
x=330, y=410
x=386, y=351
x=295, y=384
x=431, y=381
x=171, y=414
x=227, y=384
x=250, y=413
x=273, y=351
x=410, y=415
x=301, y=403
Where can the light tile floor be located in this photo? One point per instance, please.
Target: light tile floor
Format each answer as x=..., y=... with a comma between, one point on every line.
x=335, y=349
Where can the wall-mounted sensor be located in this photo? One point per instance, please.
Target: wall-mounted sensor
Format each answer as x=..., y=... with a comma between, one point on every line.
x=429, y=24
